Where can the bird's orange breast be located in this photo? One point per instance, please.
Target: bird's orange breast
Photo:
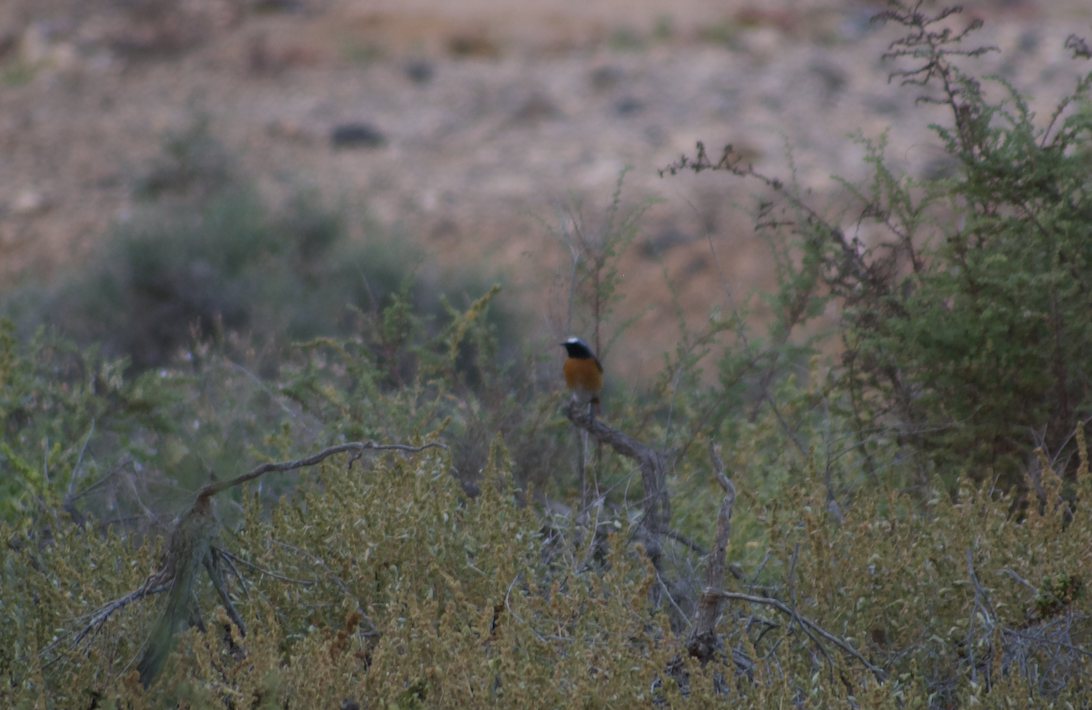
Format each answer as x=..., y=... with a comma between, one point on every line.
x=583, y=374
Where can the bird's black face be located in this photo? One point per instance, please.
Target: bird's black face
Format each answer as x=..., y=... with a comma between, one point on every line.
x=577, y=348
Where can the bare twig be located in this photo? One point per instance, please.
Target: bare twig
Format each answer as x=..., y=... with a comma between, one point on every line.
x=592, y=534
x=671, y=599
x=1019, y=579
x=120, y=466
x=278, y=398
x=685, y=541
x=879, y=673
x=1048, y=641
x=974, y=615
x=330, y=573
x=357, y=448
x=796, y=616
x=154, y=584
x=758, y=571
x=79, y=459
x=261, y=570
x=212, y=566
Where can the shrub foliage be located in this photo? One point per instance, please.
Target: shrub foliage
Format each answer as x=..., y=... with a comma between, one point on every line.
x=382, y=583
x=964, y=309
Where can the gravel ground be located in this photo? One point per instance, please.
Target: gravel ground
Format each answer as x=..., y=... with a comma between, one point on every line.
x=489, y=116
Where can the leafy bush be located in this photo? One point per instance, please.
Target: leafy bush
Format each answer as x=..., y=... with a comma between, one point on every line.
x=51, y=397
x=965, y=329
x=83, y=436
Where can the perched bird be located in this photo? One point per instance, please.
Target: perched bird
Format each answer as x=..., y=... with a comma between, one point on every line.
x=583, y=373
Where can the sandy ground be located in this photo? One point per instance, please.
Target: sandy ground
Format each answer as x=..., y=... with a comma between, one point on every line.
x=495, y=114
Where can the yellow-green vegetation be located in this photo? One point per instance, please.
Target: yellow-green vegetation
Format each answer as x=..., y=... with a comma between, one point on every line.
x=910, y=524
x=384, y=584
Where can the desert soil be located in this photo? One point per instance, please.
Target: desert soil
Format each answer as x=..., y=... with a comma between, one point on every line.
x=494, y=114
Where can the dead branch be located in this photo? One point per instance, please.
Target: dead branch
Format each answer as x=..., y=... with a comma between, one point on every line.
x=356, y=447
x=212, y=566
x=703, y=641
x=154, y=584
x=651, y=461
x=191, y=547
x=1018, y=648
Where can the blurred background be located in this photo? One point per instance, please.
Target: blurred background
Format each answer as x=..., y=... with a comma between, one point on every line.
x=258, y=164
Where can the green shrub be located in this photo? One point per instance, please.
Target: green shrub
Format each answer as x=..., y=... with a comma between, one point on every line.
x=52, y=398
x=193, y=164
x=965, y=330
x=81, y=435
x=225, y=263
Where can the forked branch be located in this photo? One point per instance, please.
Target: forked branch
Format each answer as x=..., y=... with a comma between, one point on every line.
x=703, y=642
x=651, y=461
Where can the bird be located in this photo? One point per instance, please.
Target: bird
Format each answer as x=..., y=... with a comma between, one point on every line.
x=583, y=373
